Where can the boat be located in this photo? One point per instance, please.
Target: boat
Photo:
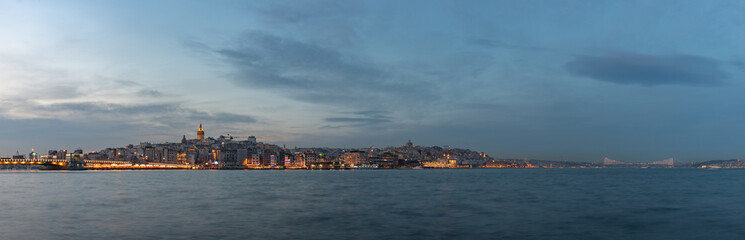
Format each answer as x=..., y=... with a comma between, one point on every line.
x=51, y=166
x=75, y=163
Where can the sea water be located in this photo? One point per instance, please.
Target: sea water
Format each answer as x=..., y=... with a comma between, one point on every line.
x=374, y=204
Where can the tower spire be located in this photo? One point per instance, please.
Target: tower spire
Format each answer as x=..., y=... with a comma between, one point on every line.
x=200, y=132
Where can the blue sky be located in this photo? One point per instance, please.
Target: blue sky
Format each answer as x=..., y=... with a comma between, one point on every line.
x=571, y=80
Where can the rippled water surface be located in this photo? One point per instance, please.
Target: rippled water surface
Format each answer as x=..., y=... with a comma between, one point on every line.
x=375, y=204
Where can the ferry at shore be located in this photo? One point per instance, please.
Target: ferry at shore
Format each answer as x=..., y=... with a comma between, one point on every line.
x=75, y=163
x=711, y=166
x=51, y=166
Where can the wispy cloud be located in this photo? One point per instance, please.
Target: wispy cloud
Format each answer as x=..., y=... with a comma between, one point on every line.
x=358, y=119
x=309, y=72
x=649, y=70
x=150, y=93
x=268, y=60
x=161, y=114
x=739, y=64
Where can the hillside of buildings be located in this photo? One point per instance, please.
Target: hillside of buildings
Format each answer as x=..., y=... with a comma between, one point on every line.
x=230, y=152
x=247, y=152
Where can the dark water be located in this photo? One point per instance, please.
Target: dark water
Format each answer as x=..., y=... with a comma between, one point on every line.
x=375, y=204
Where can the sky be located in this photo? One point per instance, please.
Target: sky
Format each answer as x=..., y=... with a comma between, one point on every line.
x=635, y=81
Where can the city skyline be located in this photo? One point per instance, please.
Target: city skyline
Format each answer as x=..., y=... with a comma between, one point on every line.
x=245, y=152
x=566, y=80
x=474, y=157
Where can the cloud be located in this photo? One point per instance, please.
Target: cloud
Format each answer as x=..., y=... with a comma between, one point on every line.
x=163, y=111
x=361, y=119
x=57, y=92
x=357, y=120
x=739, y=64
x=270, y=61
x=649, y=70
x=161, y=114
x=313, y=73
x=231, y=118
x=98, y=125
x=332, y=22
x=149, y=93
x=44, y=134
x=110, y=108
x=126, y=83
x=371, y=113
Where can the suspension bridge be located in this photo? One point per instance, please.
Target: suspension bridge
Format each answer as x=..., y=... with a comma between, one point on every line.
x=668, y=162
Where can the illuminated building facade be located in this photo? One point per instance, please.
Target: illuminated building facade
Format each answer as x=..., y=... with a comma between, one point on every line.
x=268, y=159
x=354, y=157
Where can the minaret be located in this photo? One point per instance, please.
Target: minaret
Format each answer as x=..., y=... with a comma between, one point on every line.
x=200, y=132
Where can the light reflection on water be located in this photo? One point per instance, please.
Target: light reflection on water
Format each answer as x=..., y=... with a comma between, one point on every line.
x=375, y=204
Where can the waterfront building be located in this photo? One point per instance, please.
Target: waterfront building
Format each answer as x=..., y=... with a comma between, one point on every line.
x=285, y=160
x=241, y=157
x=354, y=157
x=189, y=156
x=273, y=160
x=203, y=155
x=181, y=158
x=152, y=154
x=299, y=160
x=310, y=157
x=387, y=160
x=447, y=159
x=434, y=164
x=268, y=159
x=226, y=157
x=215, y=156
x=254, y=161
x=170, y=155
x=96, y=156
